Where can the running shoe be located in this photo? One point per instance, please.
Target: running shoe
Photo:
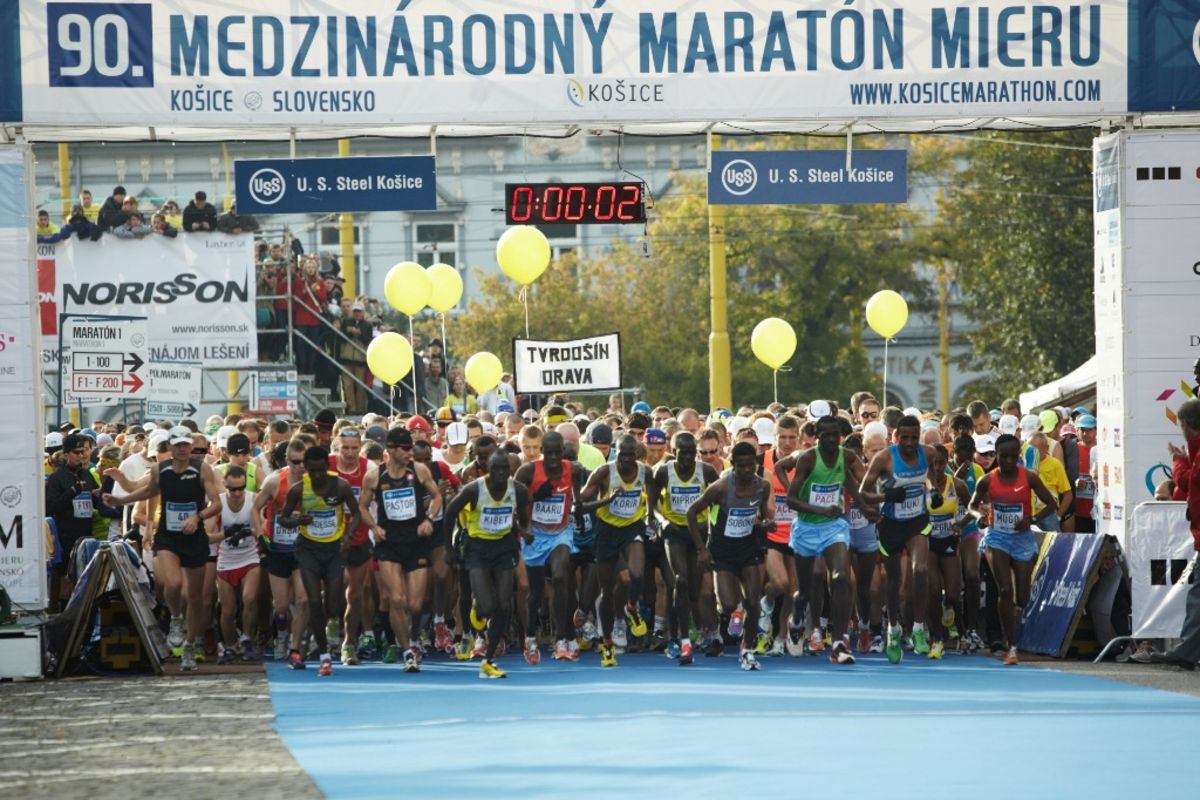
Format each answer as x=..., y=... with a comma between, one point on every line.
x=477, y=622
x=588, y=635
x=489, y=671
x=411, y=662
x=714, y=647
x=366, y=646
x=777, y=647
x=763, y=643
x=619, y=637
x=187, y=657
x=840, y=653
x=864, y=641
x=462, y=650
x=637, y=625
x=974, y=641
x=480, y=649
x=176, y=633
x=608, y=655
x=441, y=637
x=816, y=642
x=920, y=641
x=533, y=656
x=1011, y=658
x=333, y=630
x=766, y=607
x=579, y=618
x=736, y=621
x=936, y=650
x=895, y=645
x=226, y=656
x=658, y=642
x=349, y=654
x=295, y=660
x=673, y=650
x=747, y=661
x=876, y=643
x=326, y=668
x=1143, y=653
x=908, y=643
x=560, y=650
x=249, y=652
x=572, y=650
x=281, y=646
x=795, y=640
x=685, y=654
x=502, y=647
x=947, y=617
x=391, y=654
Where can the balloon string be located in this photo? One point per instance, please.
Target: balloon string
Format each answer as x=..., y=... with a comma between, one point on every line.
x=775, y=380
x=523, y=296
x=391, y=401
x=412, y=339
x=445, y=348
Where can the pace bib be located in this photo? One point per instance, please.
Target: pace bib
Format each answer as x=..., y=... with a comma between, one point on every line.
x=824, y=495
x=783, y=512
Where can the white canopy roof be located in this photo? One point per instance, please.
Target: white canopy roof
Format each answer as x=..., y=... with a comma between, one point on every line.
x=1073, y=382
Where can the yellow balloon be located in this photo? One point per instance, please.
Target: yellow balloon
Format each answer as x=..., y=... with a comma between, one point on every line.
x=887, y=313
x=389, y=357
x=407, y=287
x=773, y=342
x=523, y=253
x=483, y=371
x=447, y=287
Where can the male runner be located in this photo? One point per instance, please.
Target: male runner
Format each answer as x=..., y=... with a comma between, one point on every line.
x=353, y=468
x=966, y=470
x=782, y=581
x=945, y=570
x=448, y=484
x=238, y=572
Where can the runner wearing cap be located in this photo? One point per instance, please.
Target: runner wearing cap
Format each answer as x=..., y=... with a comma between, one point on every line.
x=1011, y=548
x=325, y=419
x=72, y=493
x=454, y=444
x=781, y=439
x=443, y=576
x=419, y=427
x=283, y=573
x=656, y=446
x=600, y=437
x=969, y=472
x=985, y=451
x=864, y=543
x=189, y=493
x=945, y=573
x=352, y=467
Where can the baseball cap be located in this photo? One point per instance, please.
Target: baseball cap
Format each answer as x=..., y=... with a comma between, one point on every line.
x=912, y=411
x=416, y=423
x=444, y=414
x=765, y=430
x=736, y=425
x=456, y=433
x=1008, y=424
x=103, y=439
x=54, y=442
x=1077, y=410
x=817, y=409
x=1030, y=424
x=1085, y=421
x=1068, y=430
x=1049, y=419
x=401, y=435
x=156, y=437
x=600, y=433
x=88, y=432
x=325, y=418
x=641, y=406
x=358, y=307
x=874, y=428
x=985, y=442
x=720, y=414
x=180, y=435
x=529, y=415
x=73, y=441
x=656, y=436
x=224, y=433
x=376, y=433
x=995, y=415
x=504, y=407
x=238, y=444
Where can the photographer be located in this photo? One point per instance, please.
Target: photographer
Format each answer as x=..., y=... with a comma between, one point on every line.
x=308, y=297
x=359, y=331
x=238, y=574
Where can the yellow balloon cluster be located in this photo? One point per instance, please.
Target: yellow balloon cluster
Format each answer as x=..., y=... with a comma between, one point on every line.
x=389, y=357
x=523, y=253
x=446, y=287
x=483, y=371
x=773, y=342
x=407, y=287
x=887, y=313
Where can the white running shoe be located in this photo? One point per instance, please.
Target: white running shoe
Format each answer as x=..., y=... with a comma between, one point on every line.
x=176, y=633
x=620, y=639
x=748, y=662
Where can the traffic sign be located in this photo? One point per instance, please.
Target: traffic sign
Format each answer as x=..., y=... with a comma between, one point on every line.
x=274, y=391
x=174, y=390
x=106, y=359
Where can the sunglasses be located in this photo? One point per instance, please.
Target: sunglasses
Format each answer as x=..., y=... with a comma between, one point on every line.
x=869, y=415
x=296, y=462
x=709, y=452
x=350, y=435
x=404, y=447
x=235, y=488
x=200, y=451
x=443, y=423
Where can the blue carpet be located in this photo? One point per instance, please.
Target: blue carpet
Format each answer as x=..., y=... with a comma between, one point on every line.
x=965, y=726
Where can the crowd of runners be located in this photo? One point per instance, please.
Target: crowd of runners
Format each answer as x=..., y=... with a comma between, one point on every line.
x=799, y=531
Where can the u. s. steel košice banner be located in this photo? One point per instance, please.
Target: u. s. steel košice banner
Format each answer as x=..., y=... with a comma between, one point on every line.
x=545, y=61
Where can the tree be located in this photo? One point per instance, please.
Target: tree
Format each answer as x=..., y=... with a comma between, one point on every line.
x=1017, y=221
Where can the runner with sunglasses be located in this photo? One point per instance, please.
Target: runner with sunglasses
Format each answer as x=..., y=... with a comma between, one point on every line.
x=353, y=468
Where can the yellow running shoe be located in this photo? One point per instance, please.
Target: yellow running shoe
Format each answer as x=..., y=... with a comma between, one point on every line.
x=462, y=651
x=476, y=622
x=608, y=655
x=637, y=625
x=763, y=644
x=936, y=650
x=488, y=670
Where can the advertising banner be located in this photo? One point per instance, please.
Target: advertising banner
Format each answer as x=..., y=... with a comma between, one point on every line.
x=797, y=177
x=1162, y=566
x=299, y=61
x=592, y=364
x=321, y=185
x=1059, y=588
x=197, y=292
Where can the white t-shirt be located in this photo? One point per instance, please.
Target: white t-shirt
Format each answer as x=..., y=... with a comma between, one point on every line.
x=134, y=468
x=245, y=553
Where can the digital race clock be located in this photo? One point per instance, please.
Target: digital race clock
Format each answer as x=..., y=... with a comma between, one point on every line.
x=587, y=203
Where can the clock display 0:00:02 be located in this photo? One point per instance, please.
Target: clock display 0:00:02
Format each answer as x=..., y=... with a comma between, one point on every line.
x=602, y=203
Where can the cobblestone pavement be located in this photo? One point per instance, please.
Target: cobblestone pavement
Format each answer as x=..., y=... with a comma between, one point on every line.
x=199, y=736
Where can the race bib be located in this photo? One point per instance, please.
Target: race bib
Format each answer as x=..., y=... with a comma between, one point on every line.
x=400, y=504
x=174, y=515
x=1005, y=516
x=739, y=523
x=682, y=498
x=82, y=505
x=496, y=519
x=942, y=525
x=625, y=504
x=857, y=520
x=825, y=494
x=284, y=538
x=914, y=503
x=783, y=512
x=1087, y=488
x=324, y=524
x=356, y=490
x=549, y=510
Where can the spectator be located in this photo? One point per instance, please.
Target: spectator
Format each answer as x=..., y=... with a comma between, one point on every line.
x=130, y=205
x=111, y=214
x=134, y=228
x=232, y=222
x=77, y=225
x=199, y=214
x=308, y=295
x=353, y=356
x=44, y=226
x=461, y=399
x=170, y=210
x=159, y=224
x=437, y=388
x=90, y=210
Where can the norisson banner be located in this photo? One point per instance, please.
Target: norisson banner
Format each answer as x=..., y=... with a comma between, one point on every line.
x=484, y=61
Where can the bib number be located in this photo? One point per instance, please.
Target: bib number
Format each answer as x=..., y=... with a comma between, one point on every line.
x=682, y=498
x=400, y=505
x=324, y=524
x=82, y=505
x=1087, y=489
x=284, y=538
x=857, y=520
x=739, y=523
x=914, y=503
x=496, y=519
x=941, y=526
x=824, y=495
x=174, y=514
x=625, y=504
x=784, y=514
x=549, y=511
x=1005, y=516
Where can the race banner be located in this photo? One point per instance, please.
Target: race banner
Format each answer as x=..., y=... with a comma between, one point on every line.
x=1162, y=567
x=486, y=62
x=196, y=290
x=1060, y=586
x=543, y=366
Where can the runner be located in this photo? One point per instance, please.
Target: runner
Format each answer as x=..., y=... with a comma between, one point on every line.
x=897, y=478
x=969, y=472
x=443, y=577
x=238, y=573
x=552, y=482
x=620, y=532
x=679, y=483
x=782, y=581
x=824, y=476
x=353, y=468
x=403, y=537
x=189, y=493
x=1011, y=548
x=498, y=514
x=737, y=539
x=946, y=519
x=864, y=543
x=324, y=508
